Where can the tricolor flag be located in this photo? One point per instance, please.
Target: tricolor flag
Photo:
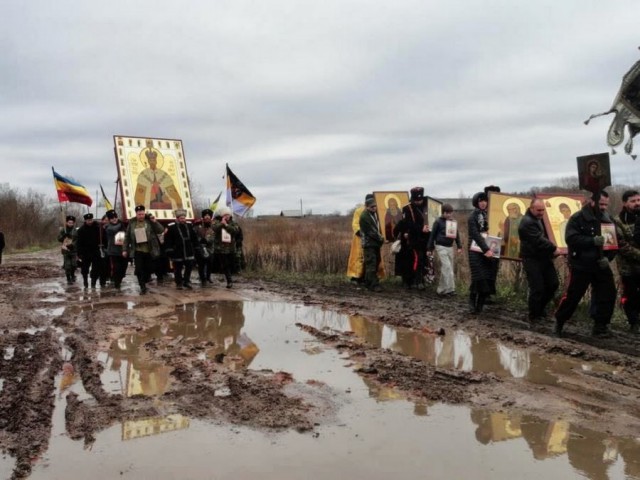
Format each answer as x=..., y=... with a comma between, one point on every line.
x=239, y=198
x=107, y=203
x=214, y=205
x=70, y=191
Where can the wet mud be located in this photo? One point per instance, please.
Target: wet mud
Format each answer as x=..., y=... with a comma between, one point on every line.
x=63, y=342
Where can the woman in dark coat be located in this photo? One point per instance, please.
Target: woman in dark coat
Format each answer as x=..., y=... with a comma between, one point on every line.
x=481, y=263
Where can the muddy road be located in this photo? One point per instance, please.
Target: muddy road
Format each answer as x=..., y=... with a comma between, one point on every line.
x=288, y=382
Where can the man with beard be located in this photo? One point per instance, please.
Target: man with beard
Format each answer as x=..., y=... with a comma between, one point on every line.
x=415, y=233
x=589, y=266
x=629, y=258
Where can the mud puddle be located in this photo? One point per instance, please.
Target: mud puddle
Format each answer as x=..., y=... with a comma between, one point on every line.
x=459, y=350
x=376, y=433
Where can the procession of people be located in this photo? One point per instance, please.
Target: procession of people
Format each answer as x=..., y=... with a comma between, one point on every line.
x=586, y=234
x=102, y=251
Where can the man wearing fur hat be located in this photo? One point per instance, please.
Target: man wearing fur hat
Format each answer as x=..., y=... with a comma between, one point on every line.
x=224, y=242
x=142, y=243
x=629, y=257
x=415, y=232
x=372, y=241
x=181, y=243
x=204, y=257
x=67, y=236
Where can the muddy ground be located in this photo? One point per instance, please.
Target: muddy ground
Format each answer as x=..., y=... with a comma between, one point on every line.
x=40, y=343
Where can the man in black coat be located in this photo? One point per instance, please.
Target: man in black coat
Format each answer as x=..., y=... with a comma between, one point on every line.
x=415, y=232
x=589, y=265
x=537, y=253
x=89, y=250
x=181, y=242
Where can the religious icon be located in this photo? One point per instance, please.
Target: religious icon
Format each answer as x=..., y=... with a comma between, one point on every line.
x=594, y=172
x=390, y=211
x=610, y=239
x=558, y=209
x=152, y=172
x=434, y=210
x=505, y=214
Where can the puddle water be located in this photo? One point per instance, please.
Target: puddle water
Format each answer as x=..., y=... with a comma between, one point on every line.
x=378, y=435
x=464, y=352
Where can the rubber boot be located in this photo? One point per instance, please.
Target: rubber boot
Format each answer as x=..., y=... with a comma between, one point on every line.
x=558, y=328
x=85, y=279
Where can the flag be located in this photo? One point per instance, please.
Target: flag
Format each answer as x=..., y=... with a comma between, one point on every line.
x=214, y=205
x=70, y=191
x=239, y=198
x=107, y=203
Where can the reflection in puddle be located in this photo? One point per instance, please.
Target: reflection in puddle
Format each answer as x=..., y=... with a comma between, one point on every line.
x=378, y=434
x=153, y=426
x=461, y=351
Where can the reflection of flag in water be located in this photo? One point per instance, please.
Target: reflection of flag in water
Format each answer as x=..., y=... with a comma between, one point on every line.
x=214, y=205
x=107, y=203
x=239, y=198
x=70, y=191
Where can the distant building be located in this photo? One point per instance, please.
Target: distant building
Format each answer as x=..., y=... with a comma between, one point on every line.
x=291, y=213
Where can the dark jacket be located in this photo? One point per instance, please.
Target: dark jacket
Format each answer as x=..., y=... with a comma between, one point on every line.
x=582, y=227
x=88, y=243
x=110, y=231
x=438, y=235
x=370, y=230
x=482, y=268
x=628, y=250
x=181, y=241
x=413, y=217
x=534, y=241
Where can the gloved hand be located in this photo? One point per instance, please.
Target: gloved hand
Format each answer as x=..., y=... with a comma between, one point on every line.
x=598, y=241
x=603, y=263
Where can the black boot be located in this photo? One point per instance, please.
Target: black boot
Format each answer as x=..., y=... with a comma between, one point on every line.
x=473, y=299
x=85, y=279
x=480, y=303
x=558, y=328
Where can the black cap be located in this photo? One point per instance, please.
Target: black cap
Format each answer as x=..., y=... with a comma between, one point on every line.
x=207, y=211
x=71, y=217
x=88, y=216
x=140, y=208
x=111, y=214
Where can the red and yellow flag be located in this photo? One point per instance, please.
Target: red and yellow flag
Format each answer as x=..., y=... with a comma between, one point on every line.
x=70, y=191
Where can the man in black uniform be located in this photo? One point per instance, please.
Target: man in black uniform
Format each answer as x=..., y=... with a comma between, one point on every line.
x=537, y=253
x=589, y=265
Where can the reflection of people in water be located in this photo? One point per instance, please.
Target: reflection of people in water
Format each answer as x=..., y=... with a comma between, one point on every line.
x=392, y=216
x=155, y=188
x=593, y=178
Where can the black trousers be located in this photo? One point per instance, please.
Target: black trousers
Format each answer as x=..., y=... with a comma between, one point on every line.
x=631, y=298
x=143, y=267
x=543, y=283
x=603, y=295
x=117, y=268
x=182, y=271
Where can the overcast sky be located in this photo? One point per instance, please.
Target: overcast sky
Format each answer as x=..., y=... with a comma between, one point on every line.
x=315, y=100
